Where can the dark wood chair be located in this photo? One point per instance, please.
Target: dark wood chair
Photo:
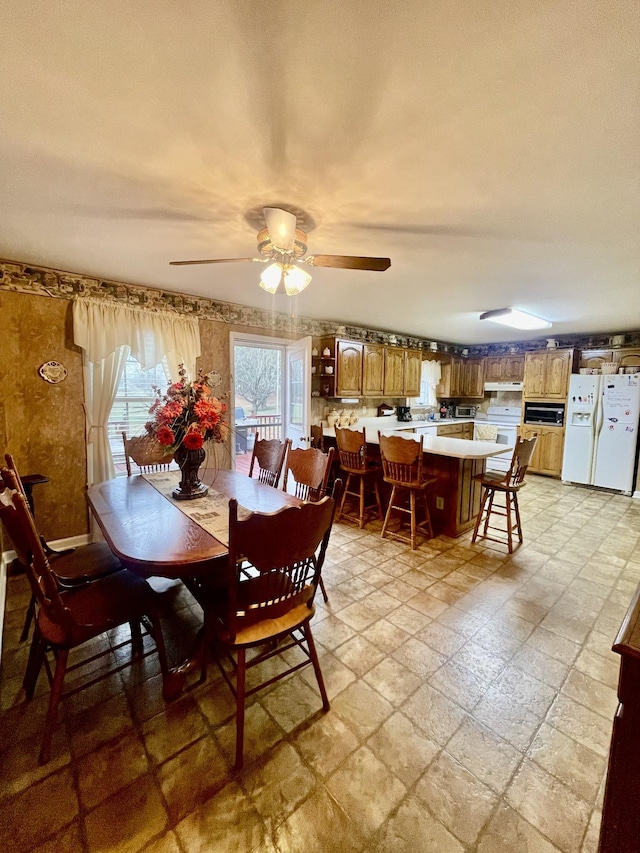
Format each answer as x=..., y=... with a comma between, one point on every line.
x=317, y=437
x=69, y=618
x=72, y=567
x=268, y=454
x=402, y=461
x=148, y=454
x=496, y=483
x=361, y=475
x=285, y=551
x=309, y=470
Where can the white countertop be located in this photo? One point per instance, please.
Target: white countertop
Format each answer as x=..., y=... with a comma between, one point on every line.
x=392, y=423
x=458, y=448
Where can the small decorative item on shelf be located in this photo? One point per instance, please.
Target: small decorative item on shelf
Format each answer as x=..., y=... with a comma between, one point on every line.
x=332, y=418
x=326, y=352
x=329, y=369
x=314, y=352
x=183, y=419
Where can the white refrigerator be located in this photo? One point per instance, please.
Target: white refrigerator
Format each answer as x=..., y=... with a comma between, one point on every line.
x=601, y=431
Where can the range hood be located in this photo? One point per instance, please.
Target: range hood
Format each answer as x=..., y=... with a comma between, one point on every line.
x=503, y=386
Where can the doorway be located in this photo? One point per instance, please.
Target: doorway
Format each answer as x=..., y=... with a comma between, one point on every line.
x=270, y=391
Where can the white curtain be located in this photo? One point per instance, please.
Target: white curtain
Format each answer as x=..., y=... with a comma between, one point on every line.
x=429, y=380
x=107, y=332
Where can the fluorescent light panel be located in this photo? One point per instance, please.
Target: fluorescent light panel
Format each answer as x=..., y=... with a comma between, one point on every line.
x=516, y=319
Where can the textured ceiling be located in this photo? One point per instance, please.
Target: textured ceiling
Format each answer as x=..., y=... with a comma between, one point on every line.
x=490, y=148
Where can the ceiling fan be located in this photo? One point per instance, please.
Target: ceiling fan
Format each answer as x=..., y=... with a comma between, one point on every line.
x=285, y=245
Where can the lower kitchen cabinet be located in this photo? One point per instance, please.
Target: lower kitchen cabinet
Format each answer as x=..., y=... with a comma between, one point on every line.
x=547, y=457
x=456, y=430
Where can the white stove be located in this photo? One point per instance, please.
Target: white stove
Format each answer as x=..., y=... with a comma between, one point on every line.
x=506, y=419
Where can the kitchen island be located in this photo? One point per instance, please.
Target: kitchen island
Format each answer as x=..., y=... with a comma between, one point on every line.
x=454, y=500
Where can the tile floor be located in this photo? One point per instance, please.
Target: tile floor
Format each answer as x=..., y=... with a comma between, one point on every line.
x=472, y=698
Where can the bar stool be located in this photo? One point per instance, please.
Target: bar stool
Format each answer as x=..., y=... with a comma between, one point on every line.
x=402, y=468
x=509, y=484
x=352, y=451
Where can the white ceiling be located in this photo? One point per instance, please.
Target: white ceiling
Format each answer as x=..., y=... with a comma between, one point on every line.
x=490, y=148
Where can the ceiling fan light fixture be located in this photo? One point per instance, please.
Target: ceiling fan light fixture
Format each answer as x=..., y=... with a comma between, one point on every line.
x=295, y=280
x=271, y=277
x=515, y=318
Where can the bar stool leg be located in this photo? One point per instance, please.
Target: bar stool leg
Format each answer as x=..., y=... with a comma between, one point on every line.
x=361, y=522
x=517, y=511
x=344, y=497
x=388, y=513
x=491, y=494
x=412, y=506
x=483, y=501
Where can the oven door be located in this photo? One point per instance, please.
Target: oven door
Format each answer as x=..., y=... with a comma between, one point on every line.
x=507, y=435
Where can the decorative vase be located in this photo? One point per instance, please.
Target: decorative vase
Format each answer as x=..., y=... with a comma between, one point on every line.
x=190, y=486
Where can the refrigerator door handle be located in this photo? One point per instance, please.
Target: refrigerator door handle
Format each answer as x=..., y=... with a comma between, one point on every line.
x=598, y=420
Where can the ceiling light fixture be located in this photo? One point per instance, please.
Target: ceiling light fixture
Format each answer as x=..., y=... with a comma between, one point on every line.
x=516, y=319
x=294, y=279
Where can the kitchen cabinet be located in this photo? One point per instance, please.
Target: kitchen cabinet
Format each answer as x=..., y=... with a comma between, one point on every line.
x=546, y=374
x=348, y=368
x=456, y=430
x=627, y=357
x=595, y=358
x=373, y=370
x=393, y=372
x=455, y=389
x=412, y=372
x=462, y=377
x=504, y=368
x=547, y=457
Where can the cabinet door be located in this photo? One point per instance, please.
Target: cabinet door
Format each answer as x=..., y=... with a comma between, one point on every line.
x=513, y=368
x=349, y=369
x=529, y=432
x=494, y=369
x=443, y=389
x=595, y=357
x=456, y=388
x=412, y=372
x=551, y=451
x=467, y=431
x=393, y=371
x=558, y=369
x=473, y=383
x=534, y=373
x=628, y=357
x=373, y=370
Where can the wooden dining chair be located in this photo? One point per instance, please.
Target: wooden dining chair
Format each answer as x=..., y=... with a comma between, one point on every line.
x=274, y=603
x=361, y=476
x=69, y=618
x=71, y=567
x=147, y=453
x=268, y=454
x=317, y=437
x=508, y=485
x=402, y=461
x=309, y=469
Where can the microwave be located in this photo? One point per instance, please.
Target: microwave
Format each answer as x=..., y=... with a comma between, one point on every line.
x=551, y=414
x=466, y=411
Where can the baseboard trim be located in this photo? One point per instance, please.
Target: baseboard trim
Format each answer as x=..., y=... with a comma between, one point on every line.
x=9, y=556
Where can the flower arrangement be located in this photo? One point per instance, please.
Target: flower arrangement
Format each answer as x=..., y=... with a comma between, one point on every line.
x=188, y=414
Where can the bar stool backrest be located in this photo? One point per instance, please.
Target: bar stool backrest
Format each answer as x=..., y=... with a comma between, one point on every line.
x=401, y=459
x=352, y=449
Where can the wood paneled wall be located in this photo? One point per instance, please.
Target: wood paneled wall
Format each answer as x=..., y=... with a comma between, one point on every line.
x=43, y=425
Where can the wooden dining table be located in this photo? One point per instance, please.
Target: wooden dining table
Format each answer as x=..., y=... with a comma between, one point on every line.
x=153, y=537
x=151, y=534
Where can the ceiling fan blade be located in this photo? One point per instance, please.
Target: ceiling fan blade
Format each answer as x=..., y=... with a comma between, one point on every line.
x=282, y=227
x=213, y=261
x=349, y=262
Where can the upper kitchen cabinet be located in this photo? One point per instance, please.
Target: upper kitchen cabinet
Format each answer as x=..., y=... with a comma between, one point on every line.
x=504, y=368
x=373, y=370
x=412, y=372
x=595, y=358
x=627, y=357
x=546, y=373
x=393, y=371
x=348, y=368
x=462, y=377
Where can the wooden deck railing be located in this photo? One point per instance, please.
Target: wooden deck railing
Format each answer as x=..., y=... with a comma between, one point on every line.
x=269, y=426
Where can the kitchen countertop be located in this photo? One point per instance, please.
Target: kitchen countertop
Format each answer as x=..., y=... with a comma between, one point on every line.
x=457, y=448
x=392, y=423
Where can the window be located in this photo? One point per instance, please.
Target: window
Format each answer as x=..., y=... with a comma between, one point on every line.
x=130, y=410
x=429, y=379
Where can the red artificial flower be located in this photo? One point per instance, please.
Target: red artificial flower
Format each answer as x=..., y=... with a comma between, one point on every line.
x=165, y=436
x=193, y=440
x=169, y=412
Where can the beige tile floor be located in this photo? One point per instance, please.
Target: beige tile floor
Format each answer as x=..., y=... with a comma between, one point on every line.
x=472, y=698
